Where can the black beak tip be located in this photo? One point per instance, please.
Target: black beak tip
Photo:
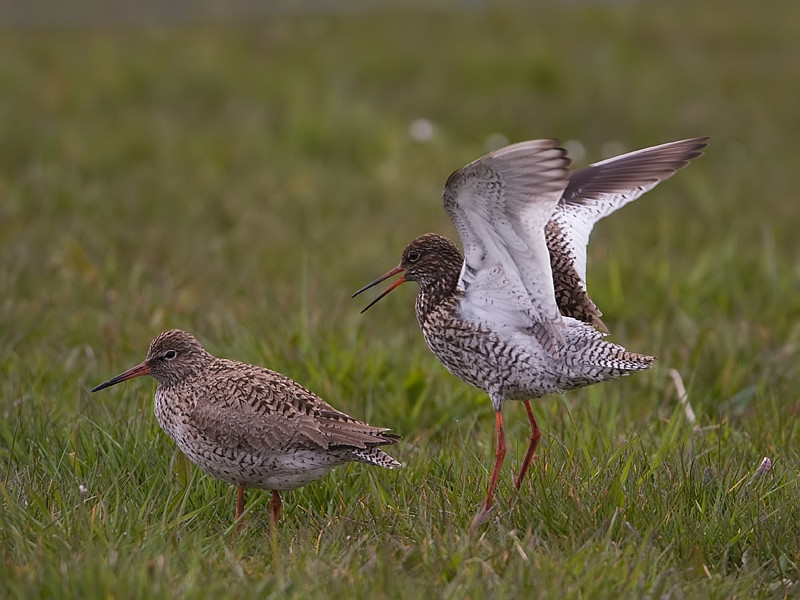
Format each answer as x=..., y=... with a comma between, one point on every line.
x=365, y=288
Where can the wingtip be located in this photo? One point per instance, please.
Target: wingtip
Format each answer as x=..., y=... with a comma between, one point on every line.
x=695, y=147
x=541, y=150
x=543, y=164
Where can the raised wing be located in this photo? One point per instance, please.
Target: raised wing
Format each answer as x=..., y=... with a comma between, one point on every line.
x=500, y=205
x=593, y=193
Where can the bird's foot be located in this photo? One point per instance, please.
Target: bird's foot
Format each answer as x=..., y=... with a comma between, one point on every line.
x=481, y=517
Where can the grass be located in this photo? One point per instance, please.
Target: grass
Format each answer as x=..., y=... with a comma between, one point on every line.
x=242, y=181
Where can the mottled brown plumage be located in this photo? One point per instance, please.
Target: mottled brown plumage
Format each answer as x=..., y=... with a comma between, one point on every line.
x=247, y=425
x=513, y=316
x=571, y=297
x=595, y=192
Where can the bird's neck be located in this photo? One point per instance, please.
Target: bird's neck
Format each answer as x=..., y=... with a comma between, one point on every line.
x=439, y=289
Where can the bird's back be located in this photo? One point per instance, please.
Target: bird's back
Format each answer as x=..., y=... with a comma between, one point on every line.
x=249, y=425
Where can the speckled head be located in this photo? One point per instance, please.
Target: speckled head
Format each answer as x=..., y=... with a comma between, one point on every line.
x=431, y=260
x=173, y=356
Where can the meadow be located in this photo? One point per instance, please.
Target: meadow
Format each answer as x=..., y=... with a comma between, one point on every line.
x=242, y=180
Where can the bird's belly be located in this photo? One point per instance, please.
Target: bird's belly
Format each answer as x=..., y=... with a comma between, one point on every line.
x=512, y=365
x=501, y=367
x=273, y=471
x=285, y=469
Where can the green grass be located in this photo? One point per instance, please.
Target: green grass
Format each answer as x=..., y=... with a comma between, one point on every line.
x=241, y=182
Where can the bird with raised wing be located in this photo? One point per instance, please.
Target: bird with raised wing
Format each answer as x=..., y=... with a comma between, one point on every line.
x=513, y=316
x=247, y=425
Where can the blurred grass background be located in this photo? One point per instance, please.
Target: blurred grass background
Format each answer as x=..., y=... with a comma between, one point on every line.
x=240, y=178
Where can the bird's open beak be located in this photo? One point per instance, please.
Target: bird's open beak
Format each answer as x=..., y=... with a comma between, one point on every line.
x=395, y=271
x=137, y=371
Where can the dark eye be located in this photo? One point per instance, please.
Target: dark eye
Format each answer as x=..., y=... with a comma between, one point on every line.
x=170, y=354
x=413, y=256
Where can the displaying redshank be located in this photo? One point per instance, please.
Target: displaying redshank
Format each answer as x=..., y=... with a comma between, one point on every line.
x=247, y=425
x=513, y=316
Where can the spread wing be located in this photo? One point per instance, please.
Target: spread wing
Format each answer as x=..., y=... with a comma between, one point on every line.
x=593, y=193
x=500, y=205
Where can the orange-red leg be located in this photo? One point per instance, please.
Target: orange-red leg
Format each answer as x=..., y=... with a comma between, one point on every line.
x=239, y=502
x=275, y=505
x=536, y=435
x=239, y=509
x=499, y=455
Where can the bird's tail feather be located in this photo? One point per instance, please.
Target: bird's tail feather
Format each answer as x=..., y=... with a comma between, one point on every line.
x=375, y=456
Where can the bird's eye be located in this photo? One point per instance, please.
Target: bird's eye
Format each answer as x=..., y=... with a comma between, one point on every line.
x=170, y=354
x=413, y=256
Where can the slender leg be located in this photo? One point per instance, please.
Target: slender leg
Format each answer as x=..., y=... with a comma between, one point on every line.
x=239, y=502
x=275, y=504
x=536, y=435
x=239, y=510
x=499, y=455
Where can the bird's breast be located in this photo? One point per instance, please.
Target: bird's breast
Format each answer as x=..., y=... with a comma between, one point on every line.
x=173, y=409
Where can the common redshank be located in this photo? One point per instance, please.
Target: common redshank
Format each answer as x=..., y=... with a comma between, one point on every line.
x=513, y=316
x=247, y=425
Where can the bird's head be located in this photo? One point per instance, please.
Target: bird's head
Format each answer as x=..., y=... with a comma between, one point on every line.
x=431, y=260
x=173, y=355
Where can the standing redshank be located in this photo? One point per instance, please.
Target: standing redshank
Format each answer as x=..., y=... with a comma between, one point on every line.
x=247, y=425
x=513, y=317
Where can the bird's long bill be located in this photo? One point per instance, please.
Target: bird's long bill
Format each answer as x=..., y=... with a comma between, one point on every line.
x=383, y=277
x=136, y=371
